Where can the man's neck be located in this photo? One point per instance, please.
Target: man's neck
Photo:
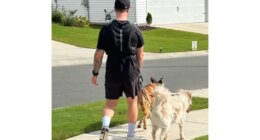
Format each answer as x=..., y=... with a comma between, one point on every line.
x=122, y=17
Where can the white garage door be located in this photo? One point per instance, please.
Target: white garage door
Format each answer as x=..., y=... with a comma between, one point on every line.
x=176, y=11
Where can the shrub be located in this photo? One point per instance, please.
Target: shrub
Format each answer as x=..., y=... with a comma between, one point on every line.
x=81, y=21
x=68, y=17
x=57, y=16
x=149, y=19
x=68, y=21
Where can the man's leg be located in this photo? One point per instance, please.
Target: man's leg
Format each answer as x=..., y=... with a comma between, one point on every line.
x=108, y=112
x=132, y=115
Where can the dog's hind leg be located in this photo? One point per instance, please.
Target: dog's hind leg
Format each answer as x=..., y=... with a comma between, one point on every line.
x=146, y=115
x=141, y=105
x=182, y=137
x=140, y=123
x=164, y=134
x=154, y=132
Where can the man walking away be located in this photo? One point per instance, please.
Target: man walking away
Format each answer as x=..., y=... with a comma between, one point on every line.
x=123, y=44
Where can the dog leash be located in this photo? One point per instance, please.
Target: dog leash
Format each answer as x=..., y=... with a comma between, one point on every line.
x=145, y=96
x=143, y=91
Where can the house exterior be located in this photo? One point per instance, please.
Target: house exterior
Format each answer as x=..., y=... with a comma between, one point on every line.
x=163, y=11
x=71, y=5
x=177, y=11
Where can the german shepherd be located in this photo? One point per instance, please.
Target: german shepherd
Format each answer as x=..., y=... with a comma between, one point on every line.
x=146, y=98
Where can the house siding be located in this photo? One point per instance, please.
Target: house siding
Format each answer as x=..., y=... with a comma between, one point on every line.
x=97, y=14
x=70, y=5
x=163, y=11
x=141, y=10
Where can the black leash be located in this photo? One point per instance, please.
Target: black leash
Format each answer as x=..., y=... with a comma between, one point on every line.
x=143, y=91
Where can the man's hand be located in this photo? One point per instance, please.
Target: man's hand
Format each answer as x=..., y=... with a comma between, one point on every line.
x=94, y=80
x=97, y=64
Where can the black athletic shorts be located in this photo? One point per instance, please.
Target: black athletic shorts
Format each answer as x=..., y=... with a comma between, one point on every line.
x=114, y=90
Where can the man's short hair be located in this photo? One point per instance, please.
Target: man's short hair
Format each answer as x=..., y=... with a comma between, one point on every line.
x=121, y=10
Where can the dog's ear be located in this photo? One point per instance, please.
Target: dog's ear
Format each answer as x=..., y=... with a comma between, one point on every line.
x=153, y=80
x=160, y=81
x=189, y=94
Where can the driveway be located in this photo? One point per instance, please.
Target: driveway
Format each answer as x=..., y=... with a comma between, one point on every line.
x=189, y=27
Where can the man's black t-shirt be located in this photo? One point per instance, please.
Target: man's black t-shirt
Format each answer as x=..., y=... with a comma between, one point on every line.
x=120, y=40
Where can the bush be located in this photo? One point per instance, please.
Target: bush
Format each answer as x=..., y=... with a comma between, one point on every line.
x=149, y=19
x=57, y=16
x=68, y=21
x=81, y=21
x=67, y=18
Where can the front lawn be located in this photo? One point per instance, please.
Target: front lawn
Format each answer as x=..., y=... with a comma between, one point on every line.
x=75, y=120
x=202, y=138
x=169, y=40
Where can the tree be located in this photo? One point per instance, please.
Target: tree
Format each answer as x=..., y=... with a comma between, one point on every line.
x=149, y=19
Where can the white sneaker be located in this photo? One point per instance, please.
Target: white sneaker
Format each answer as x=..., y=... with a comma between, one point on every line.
x=104, y=133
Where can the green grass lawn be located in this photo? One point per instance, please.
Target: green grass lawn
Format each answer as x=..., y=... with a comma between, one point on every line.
x=173, y=40
x=169, y=40
x=202, y=138
x=75, y=120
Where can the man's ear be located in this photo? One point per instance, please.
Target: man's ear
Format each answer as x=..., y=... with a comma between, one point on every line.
x=153, y=80
x=160, y=81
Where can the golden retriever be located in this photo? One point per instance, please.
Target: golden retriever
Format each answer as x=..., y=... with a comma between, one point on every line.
x=146, y=98
x=169, y=108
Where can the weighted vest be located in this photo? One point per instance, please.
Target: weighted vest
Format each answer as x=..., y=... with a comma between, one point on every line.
x=124, y=39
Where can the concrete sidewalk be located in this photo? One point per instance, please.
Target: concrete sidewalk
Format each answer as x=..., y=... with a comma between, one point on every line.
x=65, y=55
x=195, y=125
x=200, y=93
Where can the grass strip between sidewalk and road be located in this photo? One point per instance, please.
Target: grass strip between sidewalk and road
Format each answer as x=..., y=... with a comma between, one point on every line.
x=202, y=138
x=71, y=121
x=169, y=40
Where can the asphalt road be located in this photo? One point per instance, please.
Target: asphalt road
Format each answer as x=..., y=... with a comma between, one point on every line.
x=71, y=85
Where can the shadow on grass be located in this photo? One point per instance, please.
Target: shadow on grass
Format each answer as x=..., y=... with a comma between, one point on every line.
x=97, y=126
x=94, y=126
x=95, y=26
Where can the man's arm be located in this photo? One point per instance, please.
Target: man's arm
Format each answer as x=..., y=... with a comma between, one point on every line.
x=140, y=57
x=97, y=64
x=98, y=60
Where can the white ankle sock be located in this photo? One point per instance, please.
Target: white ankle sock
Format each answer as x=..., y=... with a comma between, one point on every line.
x=131, y=129
x=105, y=121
